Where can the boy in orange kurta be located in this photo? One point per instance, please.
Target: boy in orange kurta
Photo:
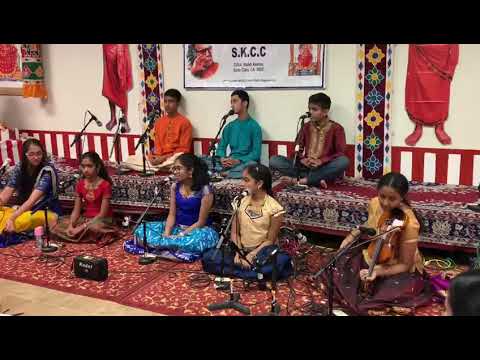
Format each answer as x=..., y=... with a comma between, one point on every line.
x=173, y=132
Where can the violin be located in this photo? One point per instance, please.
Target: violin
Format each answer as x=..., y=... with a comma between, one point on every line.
x=385, y=248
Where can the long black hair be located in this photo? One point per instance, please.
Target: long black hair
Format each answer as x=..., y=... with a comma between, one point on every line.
x=200, y=176
x=260, y=172
x=97, y=161
x=464, y=294
x=27, y=179
x=399, y=183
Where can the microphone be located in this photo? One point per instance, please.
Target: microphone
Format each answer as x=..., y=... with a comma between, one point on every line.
x=122, y=121
x=99, y=123
x=5, y=166
x=169, y=178
x=306, y=115
x=230, y=113
x=238, y=199
x=368, y=231
x=67, y=183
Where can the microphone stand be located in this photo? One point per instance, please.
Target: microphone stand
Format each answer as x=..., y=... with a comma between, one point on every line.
x=213, y=150
x=141, y=141
x=116, y=147
x=146, y=258
x=274, y=306
x=331, y=265
x=296, y=164
x=46, y=247
x=234, y=298
x=79, y=135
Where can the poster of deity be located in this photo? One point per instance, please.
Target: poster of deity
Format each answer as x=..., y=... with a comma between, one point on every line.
x=306, y=59
x=11, y=77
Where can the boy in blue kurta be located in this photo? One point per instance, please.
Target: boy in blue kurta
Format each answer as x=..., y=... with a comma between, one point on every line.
x=243, y=135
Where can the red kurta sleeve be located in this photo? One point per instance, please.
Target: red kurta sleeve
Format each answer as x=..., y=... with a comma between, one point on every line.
x=338, y=145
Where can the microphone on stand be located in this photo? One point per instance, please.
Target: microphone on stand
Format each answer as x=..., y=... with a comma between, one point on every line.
x=122, y=121
x=230, y=113
x=64, y=185
x=307, y=115
x=80, y=134
x=301, y=122
x=238, y=199
x=94, y=118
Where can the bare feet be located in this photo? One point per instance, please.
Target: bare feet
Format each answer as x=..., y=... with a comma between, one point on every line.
x=287, y=180
x=379, y=312
x=323, y=184
x=402, y=310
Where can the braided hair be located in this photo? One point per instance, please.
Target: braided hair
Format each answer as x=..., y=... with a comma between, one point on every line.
x=260, y=172
x=200, y=176
x=97, y=161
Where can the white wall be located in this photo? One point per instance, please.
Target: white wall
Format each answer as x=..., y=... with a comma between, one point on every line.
x=462, y=124
x=74, y=80
x=74, y=76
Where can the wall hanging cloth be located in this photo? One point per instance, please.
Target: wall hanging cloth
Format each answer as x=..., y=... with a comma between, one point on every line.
x=373, y=99
x=117, y=74
x=427, y=90
x=151, y=84
x=33, y=72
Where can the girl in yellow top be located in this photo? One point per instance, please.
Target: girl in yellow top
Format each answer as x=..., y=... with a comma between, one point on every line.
x=34, y=181
x=399, y=284
x=259, y=216
x=255, y=227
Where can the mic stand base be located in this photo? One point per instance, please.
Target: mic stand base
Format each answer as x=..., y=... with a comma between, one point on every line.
x=275, y=309
x=298, y=187
x=49, y=249
x=319, y=310
x=216, y=178
x=147, y=173
x=147, y=259
x=233, y=303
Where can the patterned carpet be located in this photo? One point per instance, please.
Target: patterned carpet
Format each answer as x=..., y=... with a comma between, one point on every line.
x=164, y=287
x=443, y=209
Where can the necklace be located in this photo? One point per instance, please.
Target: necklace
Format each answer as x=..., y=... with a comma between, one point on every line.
x=91, y=187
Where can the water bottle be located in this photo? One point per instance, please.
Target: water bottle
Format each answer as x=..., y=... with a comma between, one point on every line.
x=39, y=237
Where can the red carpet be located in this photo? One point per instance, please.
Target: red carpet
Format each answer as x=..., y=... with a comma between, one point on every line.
x=55, y=274
x=164, y=287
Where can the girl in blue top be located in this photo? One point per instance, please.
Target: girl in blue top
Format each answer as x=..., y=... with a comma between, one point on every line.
x=191, y=199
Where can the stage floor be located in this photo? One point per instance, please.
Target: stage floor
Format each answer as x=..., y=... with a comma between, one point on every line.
x=165, y=287
x=30, y=300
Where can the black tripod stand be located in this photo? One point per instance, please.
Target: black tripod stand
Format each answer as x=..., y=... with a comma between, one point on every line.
x=116, y=146
x=46, y=246
x=146, y=258
x=296, y=162
x=274, y=306
x=233, y=302
x=142, y=140
x=329, y=268
x=212, y=149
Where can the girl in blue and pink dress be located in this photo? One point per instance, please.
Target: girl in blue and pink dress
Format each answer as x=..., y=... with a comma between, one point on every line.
x=187, y=227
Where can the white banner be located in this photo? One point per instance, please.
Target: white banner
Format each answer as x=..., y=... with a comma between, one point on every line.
x=227, y=66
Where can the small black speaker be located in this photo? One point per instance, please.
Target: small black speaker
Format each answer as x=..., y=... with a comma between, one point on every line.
x=90, y=267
